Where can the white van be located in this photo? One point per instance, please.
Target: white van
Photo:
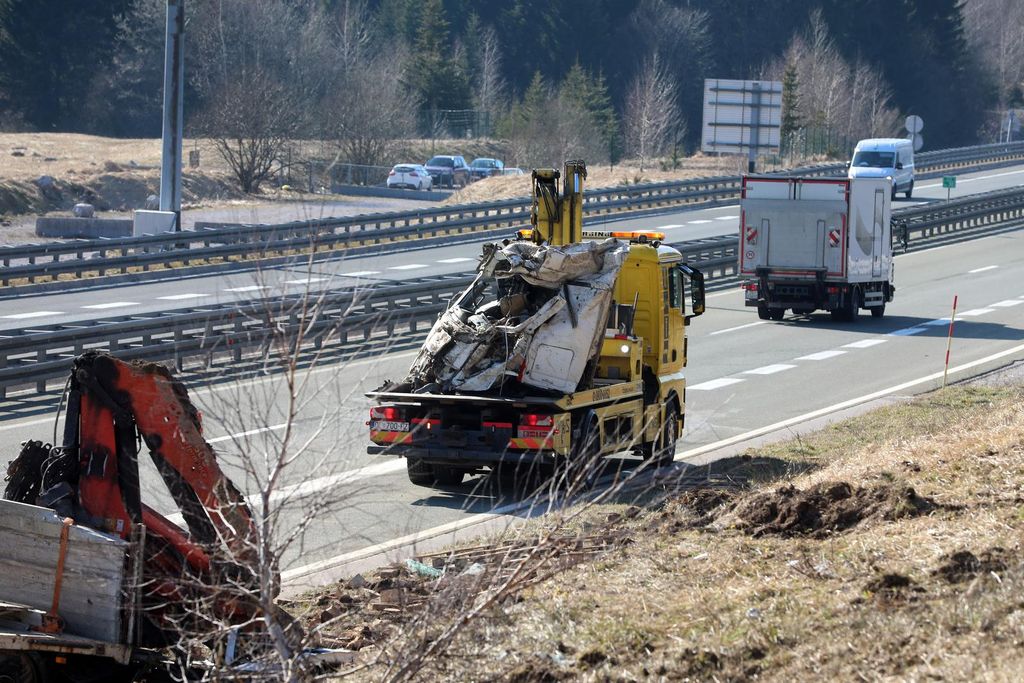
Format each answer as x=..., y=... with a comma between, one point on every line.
x=885, y=158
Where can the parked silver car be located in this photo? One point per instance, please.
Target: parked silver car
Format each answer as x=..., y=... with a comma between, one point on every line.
x=412, y=176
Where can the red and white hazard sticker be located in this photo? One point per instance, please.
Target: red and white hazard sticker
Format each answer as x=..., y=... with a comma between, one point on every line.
x=751, y=235
x=833, y=237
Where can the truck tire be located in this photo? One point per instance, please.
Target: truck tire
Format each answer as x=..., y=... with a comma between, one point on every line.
x=447, y=476
x=763, y=312
x=425, y=474
x=878, y=311
x=420, y=473
x=849, y=309
x=777, y=313
x=22, y=667
x=581, y=469
x=662, y=452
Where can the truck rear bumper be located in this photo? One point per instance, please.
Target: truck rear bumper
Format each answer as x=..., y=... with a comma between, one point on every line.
x=465, y=456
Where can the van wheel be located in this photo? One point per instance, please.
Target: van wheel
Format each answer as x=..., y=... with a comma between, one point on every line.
x=910, y=190
x=763, y=312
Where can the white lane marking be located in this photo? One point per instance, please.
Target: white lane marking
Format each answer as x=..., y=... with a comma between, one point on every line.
x=982, y=270
x=247, y=288
x=908, y=331
x=769, y=369
x=179, y=297
x=961, y=181
x=361, y=273
x=740, y=327
x=976, y=311
x=31, y=314
x=1006, y=303
x=230, y=437
x=843, y=405
x=864, y=343
x=822, y=355
x=291, y=575
x=408, y=266
x=699, y=221
x=304, y=282
x=113, y=304
x=714, y=384
x=668, y=227
x=457, y=259
x=726, y=218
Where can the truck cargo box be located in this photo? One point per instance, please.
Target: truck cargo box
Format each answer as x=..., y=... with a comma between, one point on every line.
x=804, y=226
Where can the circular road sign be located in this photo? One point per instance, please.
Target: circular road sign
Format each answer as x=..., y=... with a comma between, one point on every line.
x=914, y=124
x=918, y=142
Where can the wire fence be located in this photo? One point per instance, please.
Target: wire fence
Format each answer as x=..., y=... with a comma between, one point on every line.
x=455, y=123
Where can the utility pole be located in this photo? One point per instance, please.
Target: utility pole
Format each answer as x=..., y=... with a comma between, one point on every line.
x=174, y=95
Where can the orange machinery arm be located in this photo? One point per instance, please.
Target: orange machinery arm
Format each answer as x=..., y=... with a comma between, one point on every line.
x=118, y=400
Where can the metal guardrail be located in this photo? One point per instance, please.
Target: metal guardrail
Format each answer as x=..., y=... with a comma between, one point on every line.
x=225, y=333
x=220, y=243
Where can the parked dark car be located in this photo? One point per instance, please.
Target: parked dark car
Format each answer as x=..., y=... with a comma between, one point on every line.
x=485, y=167
x=448, y=171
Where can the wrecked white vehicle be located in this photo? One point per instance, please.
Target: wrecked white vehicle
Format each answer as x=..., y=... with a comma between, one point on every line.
x=535, y=316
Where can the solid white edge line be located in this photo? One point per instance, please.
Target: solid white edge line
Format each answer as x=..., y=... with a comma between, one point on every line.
x=293, y=574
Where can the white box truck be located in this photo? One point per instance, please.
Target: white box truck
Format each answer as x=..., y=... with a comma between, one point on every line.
x=810, y=244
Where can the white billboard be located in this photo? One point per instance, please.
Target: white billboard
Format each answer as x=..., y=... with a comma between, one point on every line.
x=741, y=117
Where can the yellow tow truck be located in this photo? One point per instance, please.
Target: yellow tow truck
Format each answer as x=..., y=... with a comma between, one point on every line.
x=579, y=353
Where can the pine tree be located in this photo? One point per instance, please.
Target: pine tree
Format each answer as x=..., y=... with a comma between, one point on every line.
x=790, y=102
x=436, y=72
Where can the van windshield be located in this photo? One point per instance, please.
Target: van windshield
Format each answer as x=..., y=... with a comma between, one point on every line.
x=874, y=159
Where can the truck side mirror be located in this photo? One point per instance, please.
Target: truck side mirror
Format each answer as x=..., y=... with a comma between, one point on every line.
x=696, y=279
x=847, y=164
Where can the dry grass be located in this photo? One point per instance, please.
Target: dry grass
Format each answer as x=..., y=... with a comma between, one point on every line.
x=695, y=597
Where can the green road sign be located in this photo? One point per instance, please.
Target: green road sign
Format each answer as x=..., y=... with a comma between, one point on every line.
x=949, y=181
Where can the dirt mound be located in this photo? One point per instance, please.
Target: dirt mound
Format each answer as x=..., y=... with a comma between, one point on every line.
x=964, y=565
x=824, y=508
x=889, y=588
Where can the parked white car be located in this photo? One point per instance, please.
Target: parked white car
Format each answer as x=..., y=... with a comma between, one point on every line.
x=412, y=176
x=512, y=171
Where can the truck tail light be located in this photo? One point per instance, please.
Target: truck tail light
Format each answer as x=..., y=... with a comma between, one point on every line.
x=534, y=420
x=832, y=290
x=384, y=413
x=750, y=286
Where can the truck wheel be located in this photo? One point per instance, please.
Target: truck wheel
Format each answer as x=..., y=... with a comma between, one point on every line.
x=447, y=476
x=878, y=311
x=662, y=453
x=853, y=305
x=763, y=312
x=20, y=667
x=777, y=313
x=581, y=469
x=420, y=473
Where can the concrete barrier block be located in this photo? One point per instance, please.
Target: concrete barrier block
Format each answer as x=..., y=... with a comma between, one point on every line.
x=82, y=228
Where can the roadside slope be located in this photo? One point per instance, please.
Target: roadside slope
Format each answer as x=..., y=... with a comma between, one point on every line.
x=887, y=546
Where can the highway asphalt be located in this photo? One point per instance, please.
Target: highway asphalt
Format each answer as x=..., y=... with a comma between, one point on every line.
x=402, y=265
x=745, y=378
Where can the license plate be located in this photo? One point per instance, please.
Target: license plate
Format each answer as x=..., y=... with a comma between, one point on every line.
x=389, y=426
x=533, y=433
